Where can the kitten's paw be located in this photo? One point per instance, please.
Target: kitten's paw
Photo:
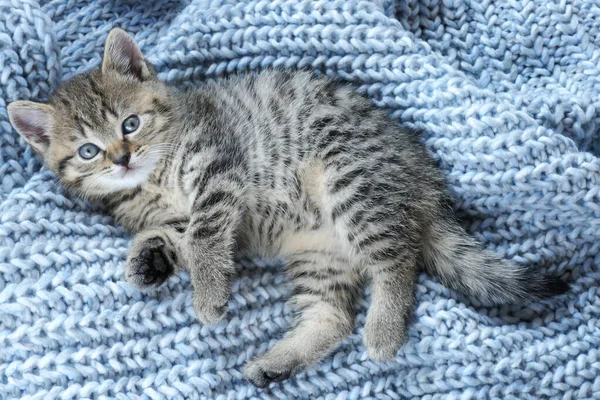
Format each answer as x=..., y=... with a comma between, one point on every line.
x=260, y=372
x=149, y=266
x=383, y=339
x=208, y=313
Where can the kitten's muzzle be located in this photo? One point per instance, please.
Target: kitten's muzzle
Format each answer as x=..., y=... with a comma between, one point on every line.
x=122, y=159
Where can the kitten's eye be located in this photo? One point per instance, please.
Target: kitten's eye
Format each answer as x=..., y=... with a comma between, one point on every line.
x=88, y=151
x=131, y=124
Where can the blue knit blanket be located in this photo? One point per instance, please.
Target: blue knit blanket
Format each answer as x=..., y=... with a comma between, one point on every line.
x=507, y=94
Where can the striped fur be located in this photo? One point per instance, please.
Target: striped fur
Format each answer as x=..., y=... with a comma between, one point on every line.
x=279, y=164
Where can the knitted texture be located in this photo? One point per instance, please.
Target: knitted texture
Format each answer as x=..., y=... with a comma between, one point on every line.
x=508, y=96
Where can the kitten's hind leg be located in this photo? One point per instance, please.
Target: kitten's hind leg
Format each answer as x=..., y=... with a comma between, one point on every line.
x=387, y=245
x=325, y=293
x=392, y=299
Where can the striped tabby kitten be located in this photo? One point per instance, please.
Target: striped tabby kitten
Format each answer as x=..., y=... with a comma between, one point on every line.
x=279, y=164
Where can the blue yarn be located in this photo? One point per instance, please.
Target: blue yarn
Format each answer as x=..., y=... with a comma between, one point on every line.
x=508, y=95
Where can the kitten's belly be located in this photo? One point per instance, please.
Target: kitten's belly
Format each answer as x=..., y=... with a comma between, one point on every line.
x=278, y=215
x=262, y=236
x=280, y=232
x=288, y=241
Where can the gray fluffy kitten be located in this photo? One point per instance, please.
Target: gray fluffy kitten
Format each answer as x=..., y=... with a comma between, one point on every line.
x=279, y=164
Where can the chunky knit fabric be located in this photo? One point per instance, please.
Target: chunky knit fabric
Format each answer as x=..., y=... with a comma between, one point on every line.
x=507, y=94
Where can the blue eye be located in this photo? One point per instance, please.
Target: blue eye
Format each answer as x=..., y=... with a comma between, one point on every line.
x=131, y=124
x=88, y=151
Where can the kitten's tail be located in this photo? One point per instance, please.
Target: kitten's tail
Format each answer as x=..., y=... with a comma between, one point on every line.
x=459, y=261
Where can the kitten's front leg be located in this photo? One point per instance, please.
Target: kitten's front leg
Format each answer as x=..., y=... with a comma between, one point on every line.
x=216, y=213
x=211, y=268
x=152, y=257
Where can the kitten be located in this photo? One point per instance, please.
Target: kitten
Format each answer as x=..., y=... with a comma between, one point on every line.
x=279, y=164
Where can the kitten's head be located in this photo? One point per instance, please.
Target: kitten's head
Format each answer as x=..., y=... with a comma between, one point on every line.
x=103, y=131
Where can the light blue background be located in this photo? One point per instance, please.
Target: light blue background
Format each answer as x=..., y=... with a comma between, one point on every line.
x=508, y=96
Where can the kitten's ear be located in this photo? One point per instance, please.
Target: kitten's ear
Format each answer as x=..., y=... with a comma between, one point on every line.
x=122, y=54
x=33, y=121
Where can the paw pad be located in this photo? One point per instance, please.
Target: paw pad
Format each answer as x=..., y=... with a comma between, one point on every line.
x=150, y=267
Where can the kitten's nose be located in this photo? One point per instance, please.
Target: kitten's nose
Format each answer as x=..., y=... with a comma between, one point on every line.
x=123, y=159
